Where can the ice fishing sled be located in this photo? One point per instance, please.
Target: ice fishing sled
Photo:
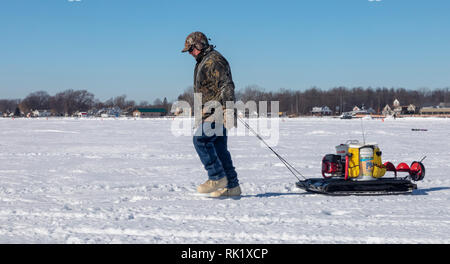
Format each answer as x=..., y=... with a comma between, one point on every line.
x=357, y=169
x=342, y=187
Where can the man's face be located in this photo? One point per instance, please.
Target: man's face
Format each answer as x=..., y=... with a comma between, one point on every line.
x=194, y=52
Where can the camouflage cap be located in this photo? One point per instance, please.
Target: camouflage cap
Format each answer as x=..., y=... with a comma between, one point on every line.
x=197, y=40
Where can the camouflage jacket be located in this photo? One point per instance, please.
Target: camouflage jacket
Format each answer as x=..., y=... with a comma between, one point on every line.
x=212, y=78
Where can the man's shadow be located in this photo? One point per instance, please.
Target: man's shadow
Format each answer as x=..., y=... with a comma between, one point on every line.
x=274, y=194
x=264, y=195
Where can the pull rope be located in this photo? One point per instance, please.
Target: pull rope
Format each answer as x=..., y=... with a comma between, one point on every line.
x=291, y=168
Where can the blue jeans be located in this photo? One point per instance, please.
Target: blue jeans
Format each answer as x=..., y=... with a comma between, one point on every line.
x=213, y=153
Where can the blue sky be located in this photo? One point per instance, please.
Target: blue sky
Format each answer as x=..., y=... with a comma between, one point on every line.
x=132, y=47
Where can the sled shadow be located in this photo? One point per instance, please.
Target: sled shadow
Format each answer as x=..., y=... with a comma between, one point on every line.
x=272, y=194
x=426, y=191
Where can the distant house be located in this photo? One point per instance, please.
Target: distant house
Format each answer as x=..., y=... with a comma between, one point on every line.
x=435, y=111
x=362, y=111
x=321, y=111
x=149, y=112
x=108, y=112
x=396, y=103
x=396, y=107
x=408, y=109
x=387, y=111
x=40, y=113
x=81, y=114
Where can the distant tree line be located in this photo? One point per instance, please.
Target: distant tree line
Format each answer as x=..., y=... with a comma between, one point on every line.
x=343, y=99
x=70, y=101
x=338, y=99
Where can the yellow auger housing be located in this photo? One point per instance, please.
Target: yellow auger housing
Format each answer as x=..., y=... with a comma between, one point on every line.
x=362, y=161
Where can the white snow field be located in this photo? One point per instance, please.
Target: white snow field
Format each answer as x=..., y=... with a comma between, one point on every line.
x=132, y=181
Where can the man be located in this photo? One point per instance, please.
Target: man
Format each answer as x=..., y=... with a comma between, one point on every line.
x=212, y=79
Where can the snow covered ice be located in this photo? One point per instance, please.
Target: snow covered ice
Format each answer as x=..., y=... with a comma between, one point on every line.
x=132, y=181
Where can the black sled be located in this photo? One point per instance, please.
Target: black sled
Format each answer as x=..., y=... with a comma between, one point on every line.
x=334, y=186
x=343, y=173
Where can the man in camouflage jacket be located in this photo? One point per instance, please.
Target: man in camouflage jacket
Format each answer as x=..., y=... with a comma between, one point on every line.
x=213, y=82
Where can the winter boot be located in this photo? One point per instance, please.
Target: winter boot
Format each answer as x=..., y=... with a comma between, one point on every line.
x=211, y=186
x=225, y=192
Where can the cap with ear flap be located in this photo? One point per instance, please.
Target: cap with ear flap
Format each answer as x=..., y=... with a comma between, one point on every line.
x=197, y=40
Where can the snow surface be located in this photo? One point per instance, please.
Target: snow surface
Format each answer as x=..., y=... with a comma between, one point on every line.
x=132, y=181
